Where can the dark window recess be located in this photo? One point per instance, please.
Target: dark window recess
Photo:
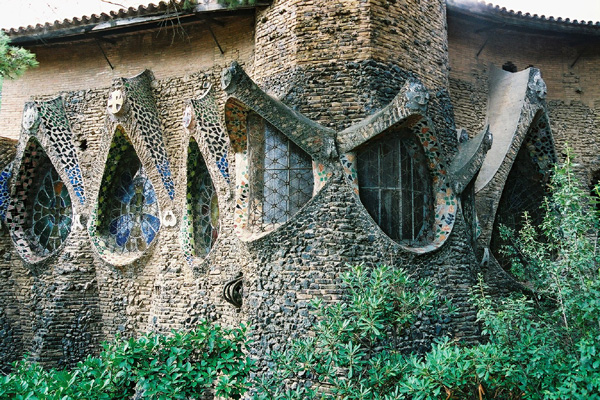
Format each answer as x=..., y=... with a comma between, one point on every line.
x=524, y=191
x=509, y=66
x=281, y=175
x=395, y=186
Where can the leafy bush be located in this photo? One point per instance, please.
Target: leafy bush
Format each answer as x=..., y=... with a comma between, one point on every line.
x=355, y=351
x=547, y=347
x=179, y=366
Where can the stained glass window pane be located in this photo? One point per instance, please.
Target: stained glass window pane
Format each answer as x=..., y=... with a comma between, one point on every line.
x=128, y=215
x=202, y=203
x=52, y=212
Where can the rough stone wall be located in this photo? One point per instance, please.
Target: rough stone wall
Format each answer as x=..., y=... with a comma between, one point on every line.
x=569, y=66
x=335, y=62
x=61, y=308
x=412, y=34
x=11, y=346
x=339, y=62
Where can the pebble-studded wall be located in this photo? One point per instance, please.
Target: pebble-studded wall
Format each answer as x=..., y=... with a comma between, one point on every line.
x=237, y=193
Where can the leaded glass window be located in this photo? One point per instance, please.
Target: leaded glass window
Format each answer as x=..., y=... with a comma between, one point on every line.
x=282, y=177
x=40, y=211
x=202, y=203
x=52, y=213
x=395, y=186
x=128, y=215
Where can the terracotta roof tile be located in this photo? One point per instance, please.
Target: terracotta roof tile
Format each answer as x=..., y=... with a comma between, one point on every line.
x=484, y=9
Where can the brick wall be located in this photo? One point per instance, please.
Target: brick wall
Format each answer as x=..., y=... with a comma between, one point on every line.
x=570, y=66
x=172, y=51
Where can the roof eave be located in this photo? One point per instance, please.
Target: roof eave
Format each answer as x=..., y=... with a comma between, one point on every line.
x=503, y=18
x=67, y=31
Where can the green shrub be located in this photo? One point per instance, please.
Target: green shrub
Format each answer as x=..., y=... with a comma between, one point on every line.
x=179, y=366
x=355, y=350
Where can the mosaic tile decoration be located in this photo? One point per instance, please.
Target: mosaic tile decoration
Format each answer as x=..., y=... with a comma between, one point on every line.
x=445, y=199
x=58, y=130
x=348, y=161
x=235, y=121
x=126, y=218
x=316, y=140
x=5, y=176
x=200, y=226
x=540, y=145
x=321, y=175
x=145, y=115
x=212, y=131
x=40, y=214
x=274, y=177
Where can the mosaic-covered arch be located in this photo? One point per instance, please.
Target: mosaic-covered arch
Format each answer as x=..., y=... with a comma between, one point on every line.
x=526, y=185
x=274, y=176
x=131, y=104
x=46, y=178
x=207, y=168
x=126, y=219
x=521, y=134
x=40, y=213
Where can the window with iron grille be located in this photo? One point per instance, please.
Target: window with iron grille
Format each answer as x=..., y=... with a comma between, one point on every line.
x=281, y=175
x=395, y=186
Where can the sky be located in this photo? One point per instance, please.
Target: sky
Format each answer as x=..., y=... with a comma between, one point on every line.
x=16, y=13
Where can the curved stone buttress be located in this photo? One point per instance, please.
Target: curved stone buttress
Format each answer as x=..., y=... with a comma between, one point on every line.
x=136, y=180
x=515, y=173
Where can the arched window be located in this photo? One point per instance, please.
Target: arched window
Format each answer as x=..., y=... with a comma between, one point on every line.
x=202, y=204
x=41, y=211
x=524, y=191
x=281, y=175
x=128, y=215
x=395, y=185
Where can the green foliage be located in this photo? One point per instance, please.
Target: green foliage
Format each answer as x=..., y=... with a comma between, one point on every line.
x=236, y=3
x=13, y=60
x=179, y=366
x=355, y=351
x=547, y=347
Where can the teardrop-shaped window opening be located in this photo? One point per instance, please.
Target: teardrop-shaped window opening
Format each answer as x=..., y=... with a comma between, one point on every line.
x=524, y=192
x=128, y=215
x=41, y=211
x=395, y=186
x=202, y=203
x=281, y=174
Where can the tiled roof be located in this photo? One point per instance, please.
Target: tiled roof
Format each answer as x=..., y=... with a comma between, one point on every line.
x=131, y=15
x=518, y=18
x=79, y=25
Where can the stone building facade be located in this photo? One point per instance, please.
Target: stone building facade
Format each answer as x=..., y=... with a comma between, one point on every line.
x=172, y=165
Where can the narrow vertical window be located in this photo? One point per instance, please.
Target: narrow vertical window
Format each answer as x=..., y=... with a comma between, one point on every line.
x=202, y=203
x=282, y=179
x=394, y=186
